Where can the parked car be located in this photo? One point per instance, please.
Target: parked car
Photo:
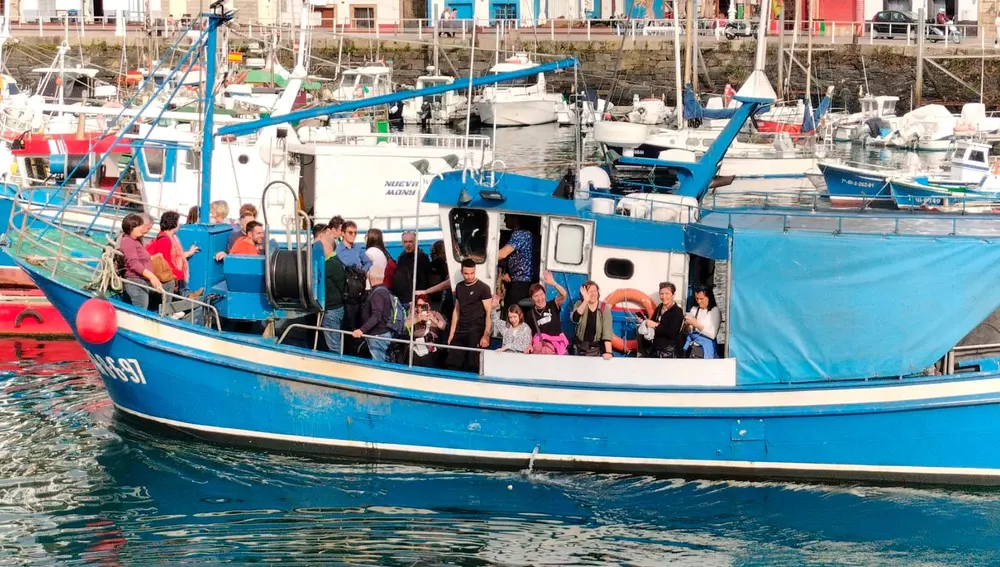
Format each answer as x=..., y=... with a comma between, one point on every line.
x=895, y=23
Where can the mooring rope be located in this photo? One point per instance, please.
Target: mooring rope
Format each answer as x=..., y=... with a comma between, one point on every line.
x=106, y=276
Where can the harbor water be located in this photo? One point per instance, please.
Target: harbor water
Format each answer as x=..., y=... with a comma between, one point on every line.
x=81, y=486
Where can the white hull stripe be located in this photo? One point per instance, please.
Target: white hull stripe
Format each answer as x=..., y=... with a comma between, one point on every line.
x=510, y=456
x=211, y=348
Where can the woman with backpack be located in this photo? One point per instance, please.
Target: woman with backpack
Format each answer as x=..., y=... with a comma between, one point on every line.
x=376, y=252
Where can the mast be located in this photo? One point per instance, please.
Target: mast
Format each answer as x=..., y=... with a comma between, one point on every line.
x=5, y=32
x=217, y=17
x=795, y=41
x=677, y=68
x=809, y=53
x=781, y=55
x=689, y=40
x=437, y=34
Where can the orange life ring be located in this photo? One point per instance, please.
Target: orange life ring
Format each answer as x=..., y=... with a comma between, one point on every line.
x=632, y=296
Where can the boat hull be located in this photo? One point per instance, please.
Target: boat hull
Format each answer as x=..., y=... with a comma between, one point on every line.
x=517, y=113
x=910, y=195
x=850, y=186
x=25, y=312
x=247, y=391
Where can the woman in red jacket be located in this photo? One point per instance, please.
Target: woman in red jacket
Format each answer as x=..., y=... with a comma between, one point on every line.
x=169, y=245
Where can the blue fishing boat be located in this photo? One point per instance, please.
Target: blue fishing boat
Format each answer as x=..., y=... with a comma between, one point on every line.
x=851, y=184
x=832, y=366
x=922, y=193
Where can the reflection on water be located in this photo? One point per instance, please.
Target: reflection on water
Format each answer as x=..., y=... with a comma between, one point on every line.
x=79, y=487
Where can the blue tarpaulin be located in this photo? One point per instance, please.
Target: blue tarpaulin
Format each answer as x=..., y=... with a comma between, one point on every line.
x=808, y=306
x=693, y=110
x=810, y=118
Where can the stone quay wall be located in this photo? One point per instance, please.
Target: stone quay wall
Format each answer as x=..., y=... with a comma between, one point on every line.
x=617, y=69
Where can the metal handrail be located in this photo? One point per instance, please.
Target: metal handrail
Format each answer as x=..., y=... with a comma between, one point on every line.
x=210, y=307
x=60, y=256
x=410, y=342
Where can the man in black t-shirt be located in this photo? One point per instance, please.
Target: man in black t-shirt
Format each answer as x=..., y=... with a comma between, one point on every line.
x=544, y=316
x=470, y=323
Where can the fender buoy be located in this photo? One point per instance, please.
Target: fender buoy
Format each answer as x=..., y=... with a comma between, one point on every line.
x=96, y=321
x=995, y=168
x=631, y=296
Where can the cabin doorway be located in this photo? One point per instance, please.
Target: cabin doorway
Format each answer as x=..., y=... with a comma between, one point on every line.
x=512, y=270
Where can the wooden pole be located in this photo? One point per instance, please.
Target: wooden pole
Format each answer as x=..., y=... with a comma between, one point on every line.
x=809, y=51
x=695, y=52
x=677, y=67
x=919, y=84
x=781, y=55
x=688, y=53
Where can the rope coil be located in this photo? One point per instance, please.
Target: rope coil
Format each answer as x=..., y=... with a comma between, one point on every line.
x=106, y=275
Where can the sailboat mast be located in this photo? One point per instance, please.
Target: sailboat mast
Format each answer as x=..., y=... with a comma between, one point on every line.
x=437, y=35
x=677, y=67
x=5, y=32
x=689, y=32
x=809, y=53
x=303, y=36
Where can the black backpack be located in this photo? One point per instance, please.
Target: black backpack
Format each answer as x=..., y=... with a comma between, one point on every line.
x=357, y=280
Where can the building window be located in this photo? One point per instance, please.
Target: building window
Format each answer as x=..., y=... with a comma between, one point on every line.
x=363, y=16
x=469, y=230
x=569, y=244
x=619, y=269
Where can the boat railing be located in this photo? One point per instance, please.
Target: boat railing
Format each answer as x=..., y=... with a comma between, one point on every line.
x=9, y=122
x=949, y=362
x=802, y=211
x=409, y=140
x=410, y=342
x=60, y=260
x=392, y=222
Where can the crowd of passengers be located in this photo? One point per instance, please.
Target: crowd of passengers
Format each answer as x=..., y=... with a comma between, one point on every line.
x=162, y=262
x=370, y=296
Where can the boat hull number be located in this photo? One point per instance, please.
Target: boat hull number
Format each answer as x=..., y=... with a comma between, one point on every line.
x=124, y=369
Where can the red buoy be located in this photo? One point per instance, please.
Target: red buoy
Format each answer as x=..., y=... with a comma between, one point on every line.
x=96, y=321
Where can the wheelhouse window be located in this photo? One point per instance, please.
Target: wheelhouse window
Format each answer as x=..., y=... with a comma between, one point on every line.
x=569, y=244
x=977, y=156
x=154, y=160
x=519, y=82
x=619, y=269
x=469, y=234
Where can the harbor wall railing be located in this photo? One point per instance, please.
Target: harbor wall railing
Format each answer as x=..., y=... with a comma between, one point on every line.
x=713, y=30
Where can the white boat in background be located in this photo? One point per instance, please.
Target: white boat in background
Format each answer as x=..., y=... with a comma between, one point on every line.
x=524, y=102
x=928, y=128
x=877, y=120
x=765, y=161
x=442, y=108
x=364, y=82
x=650, y=111
x=592, y=109
x=974, y=122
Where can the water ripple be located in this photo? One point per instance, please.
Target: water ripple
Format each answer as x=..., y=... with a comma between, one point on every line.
x=80, y=487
